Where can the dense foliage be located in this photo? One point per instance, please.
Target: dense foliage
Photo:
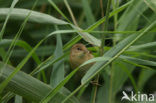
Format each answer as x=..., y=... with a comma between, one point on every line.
x=35, y=41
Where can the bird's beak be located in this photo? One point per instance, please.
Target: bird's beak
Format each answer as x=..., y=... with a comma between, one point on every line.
x=86, y=51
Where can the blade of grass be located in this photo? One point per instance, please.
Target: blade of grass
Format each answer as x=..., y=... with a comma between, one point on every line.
x=105, y=28
x=31, y=88
x=151, y=4
x=96, y=24
x=86, y=36
x=138, y=65
x=22, y=63
x=130, y=76
x=6, y=59
x=118, y=51
x=37, y=17
x=52, y=93
x=145, y=46
x=58, y=10
x=114, y=53
x=14, y=2
x=144, y=76
x=49, y=61
x=88, y=12
x=18, y=99
x=70, y=12
x=139, y=61
x=22, y=44
x=57, y=74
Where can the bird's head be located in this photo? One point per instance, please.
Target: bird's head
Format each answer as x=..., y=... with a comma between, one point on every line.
x=79, y=50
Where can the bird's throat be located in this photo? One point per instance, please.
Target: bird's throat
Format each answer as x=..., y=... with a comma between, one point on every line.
x=81, y=56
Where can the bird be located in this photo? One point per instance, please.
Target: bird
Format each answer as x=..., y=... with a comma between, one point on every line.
x=78, y=55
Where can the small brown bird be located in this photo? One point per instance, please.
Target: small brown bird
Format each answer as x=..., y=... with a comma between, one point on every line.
x=78, y=55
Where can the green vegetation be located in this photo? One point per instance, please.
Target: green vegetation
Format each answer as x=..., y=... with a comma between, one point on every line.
x=35, y=41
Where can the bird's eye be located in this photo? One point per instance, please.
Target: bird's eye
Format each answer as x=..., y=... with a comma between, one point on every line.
x=79, y=49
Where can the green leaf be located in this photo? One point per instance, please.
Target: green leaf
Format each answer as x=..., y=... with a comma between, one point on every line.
x=86, y=36
x=53, y=92
x=103, y=91
x=144, y=75
x=97, y=59
x=45, y=50
x=119, y=76
x=22, y=63
x=57, y=74
x=144, y=47
x=20, y=14
x=151, y=4
x=117, y=10
x=23, y=44
x=128, y=73
x=2, y=53
x=48, y=62
x=18, y=99
x=58, y=10
x=7, y=18
x=130, y=16
x=133, y=59
x=44, y=18
x=139, y=61
x=9, y=52
x=88, y=12
x=114, y=52
x=30, y=88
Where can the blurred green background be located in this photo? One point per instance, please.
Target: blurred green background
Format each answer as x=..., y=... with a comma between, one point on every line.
x=131, y=69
